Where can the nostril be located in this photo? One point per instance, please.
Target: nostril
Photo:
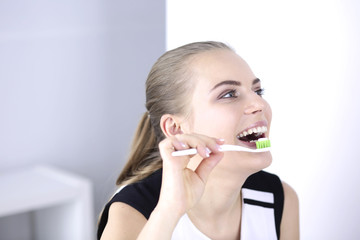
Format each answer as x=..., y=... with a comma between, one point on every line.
x=256, y=111
x=253, y=110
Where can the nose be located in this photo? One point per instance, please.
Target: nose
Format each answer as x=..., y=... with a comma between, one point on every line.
x=255, y=104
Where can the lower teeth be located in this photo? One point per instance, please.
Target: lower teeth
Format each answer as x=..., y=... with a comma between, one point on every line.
x=259, y=140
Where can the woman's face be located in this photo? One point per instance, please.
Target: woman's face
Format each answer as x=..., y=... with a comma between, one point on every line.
x=227, y=104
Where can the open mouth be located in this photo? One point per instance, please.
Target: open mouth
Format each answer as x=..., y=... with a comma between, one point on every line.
x=252, y=135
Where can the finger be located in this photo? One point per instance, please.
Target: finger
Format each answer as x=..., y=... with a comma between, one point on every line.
x=204, y=144
x=207, y=165
x=167, y=147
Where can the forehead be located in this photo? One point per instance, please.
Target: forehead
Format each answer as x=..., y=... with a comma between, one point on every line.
x=218, y=65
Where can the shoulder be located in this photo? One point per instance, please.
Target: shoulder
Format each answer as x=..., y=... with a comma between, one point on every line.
x=142, y=195
x=123, y=220
x=290, y=194
x=290, y=222
x=135, y=201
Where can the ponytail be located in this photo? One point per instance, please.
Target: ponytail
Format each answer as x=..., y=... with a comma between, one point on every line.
x=168, y=91
x=144, y=157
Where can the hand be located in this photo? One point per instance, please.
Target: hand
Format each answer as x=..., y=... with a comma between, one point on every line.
x=182, y=187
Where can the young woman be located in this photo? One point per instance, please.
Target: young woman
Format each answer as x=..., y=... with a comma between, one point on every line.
x=201, y=95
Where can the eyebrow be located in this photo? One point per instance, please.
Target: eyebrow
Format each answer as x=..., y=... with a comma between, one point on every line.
x=233, y=82
x=255, y=81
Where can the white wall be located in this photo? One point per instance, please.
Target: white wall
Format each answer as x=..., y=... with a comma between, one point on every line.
x=72, y=79
x=307, y=54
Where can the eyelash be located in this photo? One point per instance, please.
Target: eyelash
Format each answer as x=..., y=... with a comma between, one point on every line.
x=259, y=92
x=233, y=92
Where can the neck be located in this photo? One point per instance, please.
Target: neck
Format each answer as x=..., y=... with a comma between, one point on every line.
x=222, y=195
x=218, y=213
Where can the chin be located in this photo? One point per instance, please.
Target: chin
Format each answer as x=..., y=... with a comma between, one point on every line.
x=262, y=161
x=251, y=162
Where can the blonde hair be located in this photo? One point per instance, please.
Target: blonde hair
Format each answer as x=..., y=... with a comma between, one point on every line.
x=167, y=92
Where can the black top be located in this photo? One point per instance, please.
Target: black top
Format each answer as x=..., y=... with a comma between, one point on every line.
x=144, y=195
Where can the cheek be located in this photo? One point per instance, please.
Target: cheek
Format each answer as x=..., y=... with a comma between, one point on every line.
x=215, y=122
x=268, y=113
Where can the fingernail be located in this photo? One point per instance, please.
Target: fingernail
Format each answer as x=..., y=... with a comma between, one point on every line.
x=208, y=151
x=183, y=145
x=221, y=140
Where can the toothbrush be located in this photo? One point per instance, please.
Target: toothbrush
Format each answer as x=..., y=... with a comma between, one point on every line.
x=262, y=145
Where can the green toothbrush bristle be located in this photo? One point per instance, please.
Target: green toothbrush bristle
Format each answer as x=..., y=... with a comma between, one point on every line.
x=263, y=144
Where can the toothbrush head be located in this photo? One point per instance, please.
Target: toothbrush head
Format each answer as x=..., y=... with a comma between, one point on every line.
x=263, y=143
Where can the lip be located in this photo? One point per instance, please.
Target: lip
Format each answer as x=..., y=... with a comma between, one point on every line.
x=257, y=124
x=252, y=145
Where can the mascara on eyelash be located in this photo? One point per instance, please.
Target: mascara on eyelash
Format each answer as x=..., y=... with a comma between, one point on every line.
x=222, y=95
x=260, y=92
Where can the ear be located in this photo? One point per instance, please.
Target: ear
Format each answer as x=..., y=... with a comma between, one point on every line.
x=170, y=125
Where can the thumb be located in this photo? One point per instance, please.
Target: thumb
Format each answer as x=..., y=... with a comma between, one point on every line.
x=207, y=165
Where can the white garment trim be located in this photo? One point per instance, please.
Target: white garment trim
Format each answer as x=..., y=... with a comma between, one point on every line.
x=185, y=229
x=257, y=222
x=258, y=195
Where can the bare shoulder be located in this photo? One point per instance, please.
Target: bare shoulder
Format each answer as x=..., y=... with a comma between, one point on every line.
x=124, y=222
x=290, y=194
x=290, y=219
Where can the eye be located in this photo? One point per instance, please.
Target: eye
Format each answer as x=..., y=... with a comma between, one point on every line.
x=260, y=92
x=228, y=94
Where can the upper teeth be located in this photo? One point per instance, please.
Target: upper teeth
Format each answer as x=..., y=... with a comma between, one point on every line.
x=262, y=129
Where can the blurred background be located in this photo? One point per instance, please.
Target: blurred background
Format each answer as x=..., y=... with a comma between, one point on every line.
x=72, y=79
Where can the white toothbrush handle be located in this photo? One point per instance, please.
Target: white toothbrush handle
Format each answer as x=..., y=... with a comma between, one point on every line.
x=223, y=148
x=186, y=152
x=236, y=148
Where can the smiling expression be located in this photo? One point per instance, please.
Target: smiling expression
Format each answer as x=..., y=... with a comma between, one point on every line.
x=227, y=102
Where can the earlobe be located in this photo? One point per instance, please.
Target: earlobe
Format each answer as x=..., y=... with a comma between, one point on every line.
x=169, y=125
